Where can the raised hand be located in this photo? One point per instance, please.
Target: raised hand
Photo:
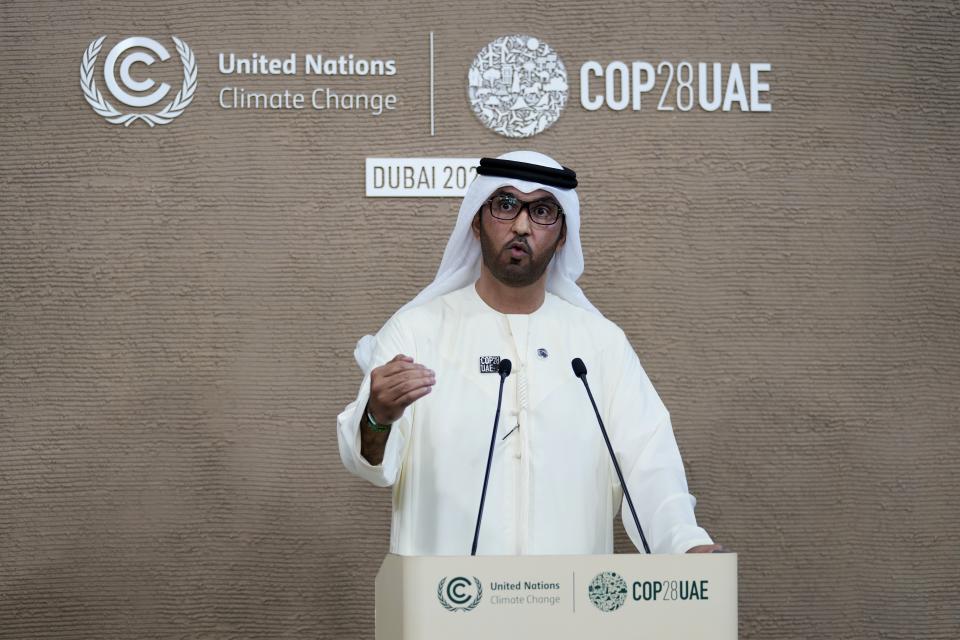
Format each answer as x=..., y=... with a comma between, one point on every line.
x=396, y=385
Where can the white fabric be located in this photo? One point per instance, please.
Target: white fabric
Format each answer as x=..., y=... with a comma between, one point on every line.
x=552, y=486
x=461, y=258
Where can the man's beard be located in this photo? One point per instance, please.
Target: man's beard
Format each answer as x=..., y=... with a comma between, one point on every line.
x=514, y=272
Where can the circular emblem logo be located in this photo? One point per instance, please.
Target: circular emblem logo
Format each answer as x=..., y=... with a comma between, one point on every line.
x=459, y=594
x=517, y=86
x=607, y=591
x=120, y=89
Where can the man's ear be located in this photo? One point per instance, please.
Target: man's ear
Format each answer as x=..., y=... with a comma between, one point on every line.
x=563, y=234
x=475, y=225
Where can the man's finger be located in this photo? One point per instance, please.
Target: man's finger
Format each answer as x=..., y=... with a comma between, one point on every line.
x=393, y=383
x=393, y=368
x=708, y=548
x=400, y=357
x=387, y=387
x=408, y=398
x=407, y=386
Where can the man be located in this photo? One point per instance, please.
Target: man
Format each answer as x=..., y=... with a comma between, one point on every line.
x=422, y=421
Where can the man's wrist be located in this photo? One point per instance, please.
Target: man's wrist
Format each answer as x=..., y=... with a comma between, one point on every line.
x=375, y=425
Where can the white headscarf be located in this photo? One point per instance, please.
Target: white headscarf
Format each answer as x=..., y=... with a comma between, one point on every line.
x=460, y=265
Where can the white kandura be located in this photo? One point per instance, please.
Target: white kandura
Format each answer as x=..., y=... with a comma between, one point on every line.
x=552, y=486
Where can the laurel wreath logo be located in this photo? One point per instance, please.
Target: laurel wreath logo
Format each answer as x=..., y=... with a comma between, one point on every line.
x=96, y=100
x=470, y=607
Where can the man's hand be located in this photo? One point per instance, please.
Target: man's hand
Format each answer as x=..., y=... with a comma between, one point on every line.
x=395, y=385
x=709, y=548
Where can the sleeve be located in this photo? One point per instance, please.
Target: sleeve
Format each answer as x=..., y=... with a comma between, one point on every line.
x=388, y=342
x=642, y=437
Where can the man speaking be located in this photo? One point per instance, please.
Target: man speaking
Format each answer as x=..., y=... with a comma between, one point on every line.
x=423, y=421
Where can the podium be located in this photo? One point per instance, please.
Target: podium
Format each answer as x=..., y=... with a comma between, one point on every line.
x=557, y=597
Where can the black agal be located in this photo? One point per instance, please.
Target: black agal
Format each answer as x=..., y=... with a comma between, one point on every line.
x=561, y=178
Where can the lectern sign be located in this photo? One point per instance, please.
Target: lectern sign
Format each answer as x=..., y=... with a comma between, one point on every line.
x=557, y=597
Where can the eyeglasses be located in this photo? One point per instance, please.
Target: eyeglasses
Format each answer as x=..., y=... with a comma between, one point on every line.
x=505, y=206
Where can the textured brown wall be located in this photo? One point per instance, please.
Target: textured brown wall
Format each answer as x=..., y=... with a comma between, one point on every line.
x=178, y=307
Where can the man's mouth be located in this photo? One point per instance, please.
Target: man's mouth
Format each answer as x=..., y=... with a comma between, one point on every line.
x=518, y=249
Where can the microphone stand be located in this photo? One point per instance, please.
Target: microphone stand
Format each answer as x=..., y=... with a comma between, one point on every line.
x=504, y=370
x=580, y=370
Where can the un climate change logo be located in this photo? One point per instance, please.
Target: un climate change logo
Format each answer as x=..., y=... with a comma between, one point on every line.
x=607, y=591
x=517, y=86
x=96, y=100
x=456, y=596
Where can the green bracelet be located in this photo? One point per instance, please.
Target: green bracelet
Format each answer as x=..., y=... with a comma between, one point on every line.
x=373, y=425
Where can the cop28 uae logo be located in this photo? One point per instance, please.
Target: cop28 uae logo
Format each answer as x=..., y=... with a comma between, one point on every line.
x=517, y=86
x=120, y=92
x=607, y=591
x=455, y=595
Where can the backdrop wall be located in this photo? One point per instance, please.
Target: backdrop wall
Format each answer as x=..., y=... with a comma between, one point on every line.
x=179, y=305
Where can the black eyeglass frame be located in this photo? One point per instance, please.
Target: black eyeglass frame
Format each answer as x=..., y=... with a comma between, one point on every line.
x=525, y=205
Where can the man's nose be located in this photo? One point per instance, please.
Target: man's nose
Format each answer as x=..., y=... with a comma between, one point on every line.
x=521, y=224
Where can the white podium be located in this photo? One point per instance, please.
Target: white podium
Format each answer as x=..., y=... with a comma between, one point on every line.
x=557, y=597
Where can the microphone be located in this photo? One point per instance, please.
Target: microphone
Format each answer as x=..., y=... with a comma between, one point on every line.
x=504, y=370
x=580, y=370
